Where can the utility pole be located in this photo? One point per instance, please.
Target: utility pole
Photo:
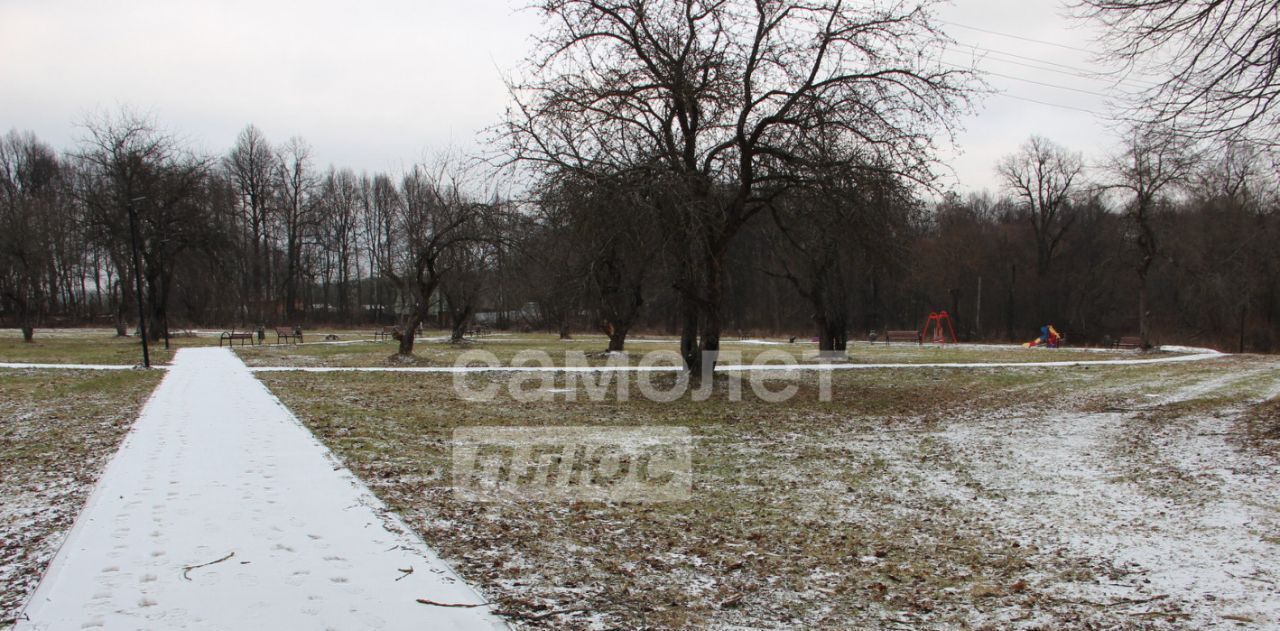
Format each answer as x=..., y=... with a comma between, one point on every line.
x=137, y=278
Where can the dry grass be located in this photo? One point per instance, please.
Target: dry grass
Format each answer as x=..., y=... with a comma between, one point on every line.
x=808, y=514
x=57, y=431
x=434, y=350
x=90, y=346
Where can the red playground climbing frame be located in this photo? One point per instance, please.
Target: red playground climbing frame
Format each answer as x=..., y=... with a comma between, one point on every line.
x=936, y=320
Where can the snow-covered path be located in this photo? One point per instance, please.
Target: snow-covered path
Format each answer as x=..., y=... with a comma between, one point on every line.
x=220, y=511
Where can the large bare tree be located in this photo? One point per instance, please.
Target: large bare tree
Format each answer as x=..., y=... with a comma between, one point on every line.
x=433, y=218
x=1216, y=61
x=1043, y=175
x=821, y=236
x=1154, y=162
x=338, y=210
x=251, y=167
x=718, y=96
x=127, y=164
x=295, y=188
x=603, y=234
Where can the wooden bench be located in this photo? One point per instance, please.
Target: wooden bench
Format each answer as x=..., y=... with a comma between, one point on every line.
x=903, y=336
x=231, y=336
x=287, y=334
x=1129, y=342
x=385, y=332
x=478, y=329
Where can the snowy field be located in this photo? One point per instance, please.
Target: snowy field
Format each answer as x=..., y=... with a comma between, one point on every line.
x=1132, y=496
x=1090, y=497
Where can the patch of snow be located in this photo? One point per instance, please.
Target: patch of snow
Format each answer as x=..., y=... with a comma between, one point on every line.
x=1175, y=511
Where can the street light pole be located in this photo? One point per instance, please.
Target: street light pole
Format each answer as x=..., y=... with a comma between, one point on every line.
x=137, y=278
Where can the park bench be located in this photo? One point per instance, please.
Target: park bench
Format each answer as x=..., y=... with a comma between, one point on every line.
x=286, y=334
x=386, y=332
x=1129, y=342
x=231, y=336
x=478, y=329
x=902, y=336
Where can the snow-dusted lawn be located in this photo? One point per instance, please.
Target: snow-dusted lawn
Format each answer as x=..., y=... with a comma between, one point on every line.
x=57, y=431
x=1108, y=497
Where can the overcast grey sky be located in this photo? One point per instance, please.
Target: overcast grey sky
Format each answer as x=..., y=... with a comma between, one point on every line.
x=375, y=85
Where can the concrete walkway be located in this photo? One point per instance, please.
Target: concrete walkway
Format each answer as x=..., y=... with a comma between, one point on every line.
x=220, y=511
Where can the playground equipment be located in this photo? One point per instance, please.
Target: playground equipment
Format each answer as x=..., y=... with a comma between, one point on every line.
x=1049, y=337
x=936, y=320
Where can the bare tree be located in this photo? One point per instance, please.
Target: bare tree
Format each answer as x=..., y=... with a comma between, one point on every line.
x=717, y=96
x=463, y=286
x=603, y=232
x=822, y=235
x=1154, y=162
x=1043, y=174
x=30, y=200
x=433, y=217
x=1217, y=61
x=295, y=187
x=552, y=259
x=251, y=165
x=338, y=207
x=1223, y=252
x=127, y=163
x=380, y=202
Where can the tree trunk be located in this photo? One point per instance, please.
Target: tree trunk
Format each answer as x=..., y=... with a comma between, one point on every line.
x=421, y=312
x=825, y=341
x=122, y=309
x=711, y=313
x=292, y=263
x=838, y=331
x=410, y=331
x=617, y=338
x=1009, y=304
x=1244, y=311
x=157, y=319
x=833, y=333
x=28, y=332
x=459, y=324
x=955, y=312
x=1144, y=315
x=689, y=334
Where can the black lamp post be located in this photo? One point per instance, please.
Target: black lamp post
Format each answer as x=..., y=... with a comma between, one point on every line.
x=137, y=278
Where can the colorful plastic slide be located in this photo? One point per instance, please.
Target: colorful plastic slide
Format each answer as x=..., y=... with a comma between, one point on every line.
x=1049, y=338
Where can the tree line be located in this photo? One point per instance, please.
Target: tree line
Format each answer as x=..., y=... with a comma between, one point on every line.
x=261, y=235
x=699, y=169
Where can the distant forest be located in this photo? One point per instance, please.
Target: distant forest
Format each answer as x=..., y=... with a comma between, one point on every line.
x=261, y=235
